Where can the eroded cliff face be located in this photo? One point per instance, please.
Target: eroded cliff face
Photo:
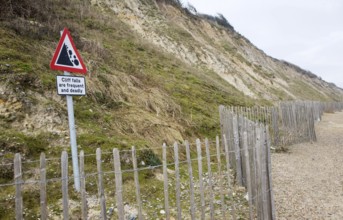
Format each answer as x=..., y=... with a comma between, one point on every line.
x=204, y=44
x=156, y=72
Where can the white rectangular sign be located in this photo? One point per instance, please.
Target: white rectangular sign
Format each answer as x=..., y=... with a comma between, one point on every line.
x=71, y=85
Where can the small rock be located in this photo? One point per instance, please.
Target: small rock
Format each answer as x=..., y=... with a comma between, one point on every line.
x=159, y=176
x=169, y=171
x=130, y=212
x=110, y=212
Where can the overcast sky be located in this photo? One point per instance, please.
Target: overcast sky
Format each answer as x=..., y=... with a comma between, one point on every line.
x=308, y=33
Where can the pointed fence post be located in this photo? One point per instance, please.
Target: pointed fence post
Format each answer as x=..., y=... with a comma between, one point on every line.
x=177, y=180
x=258, y=199
x=227, y=157
x=138, y=192
x=220, y=178
x=191, y=183
x=248, y=174
x=65, y=197
x=237, y=151
x=101, y=192
x=201, y=183
x=210, y=178
x=18, y=181
x=119, y=183
x=165, y=181
x=269, y=165
x=43, y=203
x=264, y=173
x=84, y=210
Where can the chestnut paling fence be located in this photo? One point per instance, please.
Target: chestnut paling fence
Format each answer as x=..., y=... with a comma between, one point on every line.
x=196, y=181
x=264, y=127
x=252, y=166
x=289, y=122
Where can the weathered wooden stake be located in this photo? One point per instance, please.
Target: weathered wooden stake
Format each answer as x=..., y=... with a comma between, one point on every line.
x=18, y=181
x=165, y=181
x=177, y=181
x=119, y=183
x=101, y=192
x=271, y=192
x=210, y=178
x=84, y=208
x=233, y=209
x=65, y=199
x=220, y=182
x=264, y=173
x=138, y=192
x=191, y=184
x=237, y=152
x=248, y=174
x=259, y=202
x=43, y=200
x=201, y=184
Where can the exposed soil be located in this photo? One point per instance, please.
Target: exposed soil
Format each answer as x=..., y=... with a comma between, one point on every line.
x=308, y=180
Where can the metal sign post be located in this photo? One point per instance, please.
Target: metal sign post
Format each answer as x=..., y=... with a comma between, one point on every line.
x=66, y=58
x=73, y=143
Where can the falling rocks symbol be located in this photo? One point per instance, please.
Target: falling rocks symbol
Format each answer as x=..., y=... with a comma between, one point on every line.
x=67, y=57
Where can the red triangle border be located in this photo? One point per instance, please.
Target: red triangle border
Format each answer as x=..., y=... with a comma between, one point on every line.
x=57, y=52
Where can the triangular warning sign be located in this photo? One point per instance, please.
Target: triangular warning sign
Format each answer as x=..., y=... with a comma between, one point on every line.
x=66, y=57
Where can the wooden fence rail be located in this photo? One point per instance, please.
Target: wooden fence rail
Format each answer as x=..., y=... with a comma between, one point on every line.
x=289, y=122
x=260, y=127
x=198, y=180
x=206, y=195
x=250, y=164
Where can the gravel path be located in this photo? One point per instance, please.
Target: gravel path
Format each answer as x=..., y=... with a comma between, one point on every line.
x=308, y=181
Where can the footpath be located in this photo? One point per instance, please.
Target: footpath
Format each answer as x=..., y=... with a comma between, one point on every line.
x=308, y=180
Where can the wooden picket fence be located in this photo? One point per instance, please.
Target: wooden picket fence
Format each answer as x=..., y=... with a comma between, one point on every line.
x=289, y=122
x=241, y=157
x=264, y=127
x=252, y=166
x=209, y=194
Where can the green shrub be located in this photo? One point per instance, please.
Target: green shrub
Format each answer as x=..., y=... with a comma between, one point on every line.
x=148, y=157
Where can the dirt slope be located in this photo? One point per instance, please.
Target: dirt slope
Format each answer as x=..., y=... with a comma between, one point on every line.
x=308, y=181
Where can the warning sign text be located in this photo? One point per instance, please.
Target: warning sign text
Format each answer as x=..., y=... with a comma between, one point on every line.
x=71, y=85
